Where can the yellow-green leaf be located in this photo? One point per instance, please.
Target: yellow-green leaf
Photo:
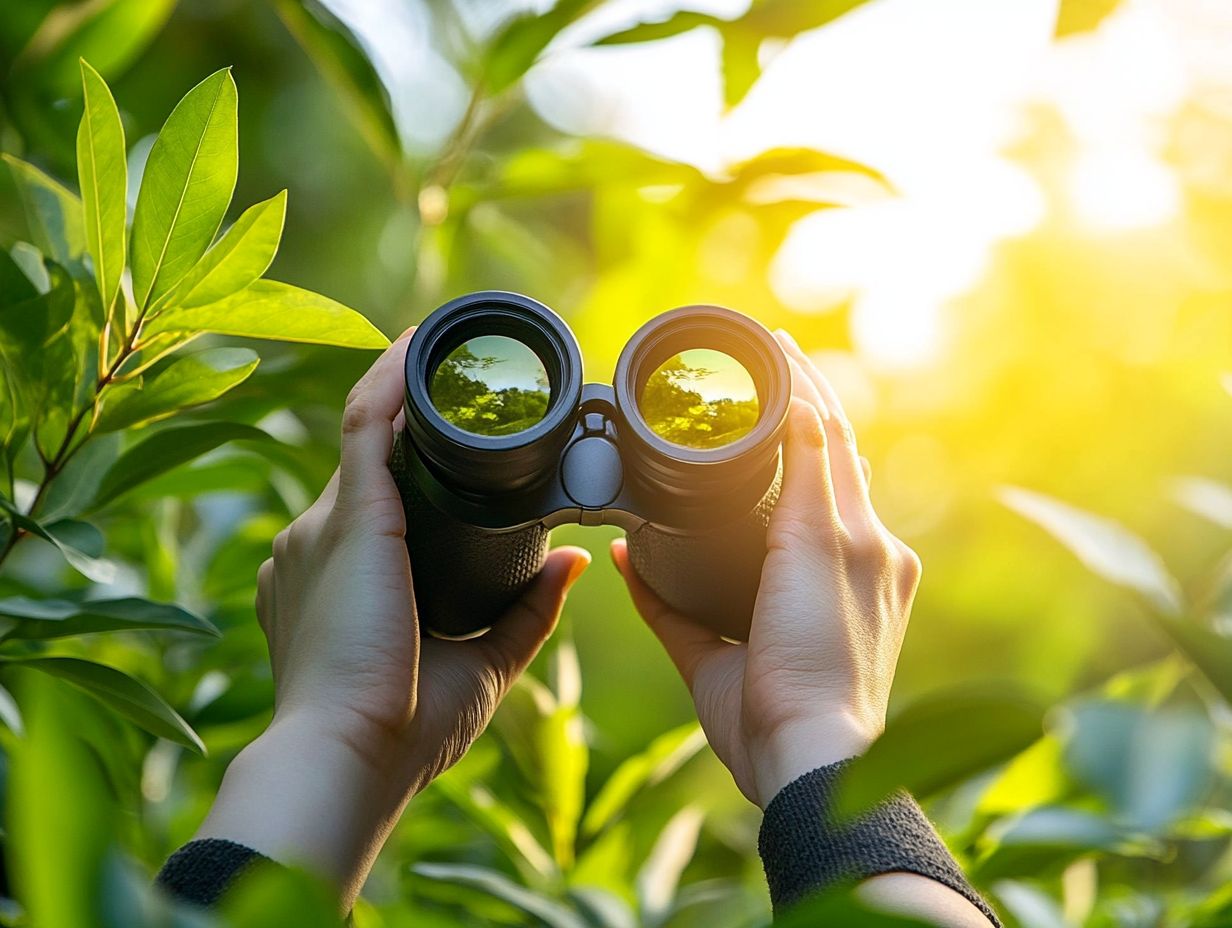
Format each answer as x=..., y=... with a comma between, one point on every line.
x=103, y=175
x=240, y=257
x=53, y=213
x=190, y=381
x=269, y=309
x=187, y=185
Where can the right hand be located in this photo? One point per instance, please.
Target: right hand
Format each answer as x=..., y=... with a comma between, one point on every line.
x=811, y=685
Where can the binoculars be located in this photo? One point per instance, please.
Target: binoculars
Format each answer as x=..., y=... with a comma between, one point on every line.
x=503, y=441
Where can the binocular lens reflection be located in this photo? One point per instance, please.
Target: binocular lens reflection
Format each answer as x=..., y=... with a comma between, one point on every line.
x=491, y=385
x=700, y=398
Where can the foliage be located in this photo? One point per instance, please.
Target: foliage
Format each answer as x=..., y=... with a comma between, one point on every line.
x=150, y=457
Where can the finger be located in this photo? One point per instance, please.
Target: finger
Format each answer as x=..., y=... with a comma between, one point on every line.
x=867, y=467
x=316, y=514
x=850, y=486
x=687, y=643
x=807, y=509
x=515, y=639
x=367, y=427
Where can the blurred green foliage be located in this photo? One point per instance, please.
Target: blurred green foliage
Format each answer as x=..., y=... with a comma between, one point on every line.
x=142, y=483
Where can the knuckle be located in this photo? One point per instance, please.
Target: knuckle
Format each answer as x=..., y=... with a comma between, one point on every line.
x=357, y=414
x=910, y=568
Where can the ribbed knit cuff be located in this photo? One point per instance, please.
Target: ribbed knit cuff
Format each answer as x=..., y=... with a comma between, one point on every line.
x=201, y=871
x=805, y=852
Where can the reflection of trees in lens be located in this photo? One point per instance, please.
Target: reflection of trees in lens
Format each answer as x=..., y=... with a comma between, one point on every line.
x=674, y=407
x=461, y=393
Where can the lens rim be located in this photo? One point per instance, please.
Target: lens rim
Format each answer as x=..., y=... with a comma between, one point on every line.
x=507, y=461
x=738, y=336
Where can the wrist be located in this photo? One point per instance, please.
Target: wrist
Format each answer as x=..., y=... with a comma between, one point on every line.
x=795, y=748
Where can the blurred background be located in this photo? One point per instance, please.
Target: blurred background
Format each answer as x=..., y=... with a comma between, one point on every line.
x=1002, y=229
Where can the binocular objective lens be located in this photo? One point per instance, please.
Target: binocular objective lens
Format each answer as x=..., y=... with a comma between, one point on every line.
x=491, y=385
x=700, y=398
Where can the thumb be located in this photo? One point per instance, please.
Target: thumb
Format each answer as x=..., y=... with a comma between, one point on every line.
x=685, y=641
x=517, y=636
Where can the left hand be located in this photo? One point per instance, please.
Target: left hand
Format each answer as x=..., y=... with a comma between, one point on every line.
x=366, y=711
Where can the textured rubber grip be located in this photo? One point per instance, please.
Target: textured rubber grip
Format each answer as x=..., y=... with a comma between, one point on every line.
x=711, y=576
x=465, y=577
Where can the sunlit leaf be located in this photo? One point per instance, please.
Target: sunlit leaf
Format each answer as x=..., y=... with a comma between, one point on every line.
x=660, y=874
x=1153, y=767
x=1204, y=497
x=651, y=30
x=187, y=185
x=939, y=741
x=1106, y=547
x=273, y=310
x=740, y=64
x=1209, y=650
x=53, y=213
x=1083, y=15
x=665, y=755
x=102, y=171
x=494, y=883
x=119, y=692
x=519, y=44
x=23, y=617
x=241, y=256
x=503, y=824
x=1030, y=906
x=276, y=896
x=79, y=542
x=342, y=61
x=1035, y=777
x=189, y=381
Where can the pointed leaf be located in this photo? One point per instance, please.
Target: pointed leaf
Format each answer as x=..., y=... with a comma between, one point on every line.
x=519, y=44
x=79, y=542
x=54, y=214
x=169, y=448
x=679, y=22
x=1204, y=497
x=937, y=742
x=103, y=175
x=188, y=181
x=58, y=618
x=189, y=381
x=659, y=877
x=118, y=691
x=241, y=256
x=666, y=754
x=496, y=884
x=273, y=310
x=1107, y=548
x=1083, y=15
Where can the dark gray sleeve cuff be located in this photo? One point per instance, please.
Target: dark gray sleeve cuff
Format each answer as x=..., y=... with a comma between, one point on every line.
x=201, y=871
x=805, y=852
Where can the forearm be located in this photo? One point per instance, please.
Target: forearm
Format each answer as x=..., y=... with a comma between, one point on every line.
x=307, y=800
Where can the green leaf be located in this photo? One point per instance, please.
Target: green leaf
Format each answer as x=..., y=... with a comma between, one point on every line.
x=666, y=754
x=340, y=58
x=15, y=284
x=494, y=883
x=188, y=181
x=79, y=542
x=273, y=310
x=240, y=257
x=783, y=19
x=1107, y=548
x=741, y=67
x=1046, y=840
x=108, y=33
x=1207, y=649
x=58, y=618
x=659, y=877
x=168, y=448
x=1153, y=767
x=189, y=381
x=938, y=742
x=121, y=693
x=504, y=825
x=1083, y=15
x=519, y=44
x=103, y=175
x=54, y=214
x=679, y=22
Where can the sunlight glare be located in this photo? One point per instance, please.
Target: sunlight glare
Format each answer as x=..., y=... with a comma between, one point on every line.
x=1121, y=189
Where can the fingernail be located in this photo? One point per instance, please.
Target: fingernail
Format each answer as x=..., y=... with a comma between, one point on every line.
x=575, y=571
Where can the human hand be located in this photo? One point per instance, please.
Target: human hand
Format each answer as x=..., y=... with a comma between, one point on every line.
x=812, y=683
x=366, y=711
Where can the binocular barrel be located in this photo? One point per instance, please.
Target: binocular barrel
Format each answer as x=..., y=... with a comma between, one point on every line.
x=503, y=441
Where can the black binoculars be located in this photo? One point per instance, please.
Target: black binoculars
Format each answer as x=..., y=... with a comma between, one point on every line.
x=503, y=441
